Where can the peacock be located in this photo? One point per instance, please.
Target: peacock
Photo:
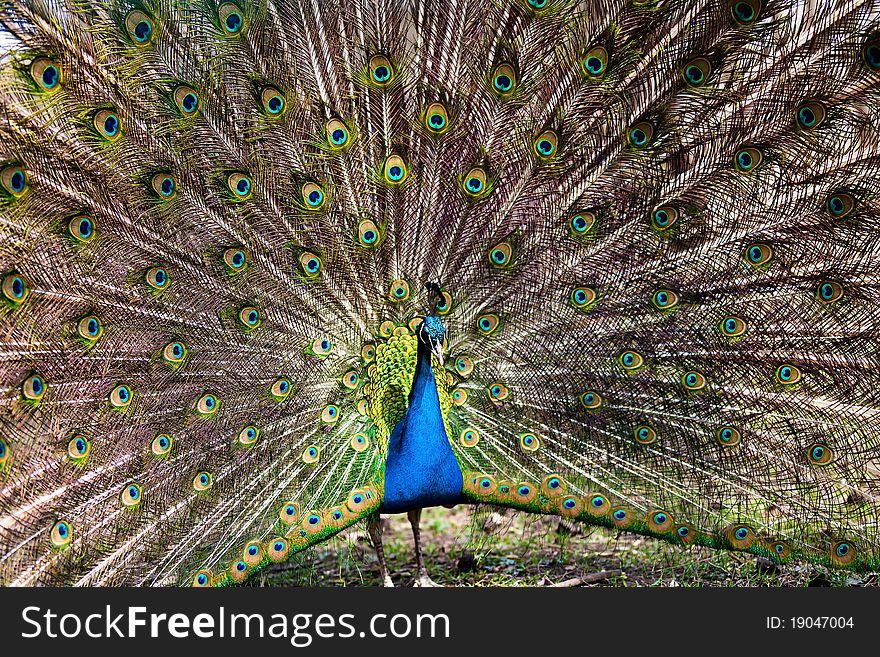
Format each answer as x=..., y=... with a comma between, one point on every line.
x=271, y=268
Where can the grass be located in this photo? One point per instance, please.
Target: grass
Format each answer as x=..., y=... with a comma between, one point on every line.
x=489, y=548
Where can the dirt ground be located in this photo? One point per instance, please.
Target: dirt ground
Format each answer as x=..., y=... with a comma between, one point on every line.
x=488, y=548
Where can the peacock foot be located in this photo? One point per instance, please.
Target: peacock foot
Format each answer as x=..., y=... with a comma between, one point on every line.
x=386, y=582
x=425, y=581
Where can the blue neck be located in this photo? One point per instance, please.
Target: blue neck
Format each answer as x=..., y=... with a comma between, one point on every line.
x=421, y=469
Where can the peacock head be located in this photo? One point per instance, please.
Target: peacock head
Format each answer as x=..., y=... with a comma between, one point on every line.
x=431, y=334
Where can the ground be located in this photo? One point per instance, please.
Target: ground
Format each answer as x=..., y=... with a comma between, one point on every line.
x=515, y=549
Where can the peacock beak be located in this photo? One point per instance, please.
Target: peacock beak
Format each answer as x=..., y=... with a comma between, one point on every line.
x=437, y=350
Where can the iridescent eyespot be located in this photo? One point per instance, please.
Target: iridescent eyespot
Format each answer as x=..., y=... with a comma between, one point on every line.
x=748, y=159
x=819, y=454
x=359, y=442
x=107, y=124
x=14, y=288
x=240, y=185
x=590, y=400
x=289, y=513
x=639, y=136
x=504, y=79
x=174, y=352
x=368, y=233
x=164, y=185
x=645, y=435
x=273, y=102
x=381, y=70
x=386, y=328
x=788, y=374
x=469, y=437
x=664, y=217
x=81, y=228
x=459, y=396
x=329, y=414
x=278, y=549
x=443, y=305
x=758, y=254
x=33, y=388
x=871, y=53
x=252, y=553
x=529, y=442
x=693, y=380
x=368, y=353
x=665, y=299
x=14, y=180
x=745, y=12
x=598, y=506
x=311, y=454
x=161, y=444
x=500, y=255
x=61, y=533
x=399, y=291
x=235, y=259
x=728, y=436
x=186, y=99
x=395, y=170
x=238, y=571
x=78, y=448
x=89, y=328
x=203, y=481
x=249, y=316
x=120, y=396
x=248, y=435
x=696, y=72
x=131, y=495
x=740, y=537
x=436, y=118
x=810, y=115
x=524, y=492
x=732, y=326
x=474, y=183
x=231, y=18
x=779, y=551
x=488, y=324
x=537, y=5
x=843, y=553
x=464, y=365
x=829, y=291
x=545, y=144
x=553, y=485
x=322, y=346
x=140, y=27
x=207, y=404
x=311, y=264
x=313, y=196
x=280, y=388
x=595, y=62
x=157, y=278
x=840, y=205
x=202, y=579
x=46, y=73
x=581, y=223
x=337, y=134
x=350, y=379
x=659, y=521
x=570, y=506
x=622, y=517
x=631, y=360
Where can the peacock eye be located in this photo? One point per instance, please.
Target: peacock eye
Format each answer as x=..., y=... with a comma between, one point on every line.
x=359, y=442
x=728, y=436
x=748, y=158
x=595, y=62
x=599, y=502
x=810, y=115
x=174, y=352
x=273, y=101
x=322, y=346
x=436, y=118
x=120, y=396
x=645, y=435
x=538, y=5
x=235, y=259
x=313, y=196
x=289, y=513
x=78, y=448
x=240, y=185
x=693, y=381
x=329, y=414
x=157, y=278
x=381, y=70
x=131, y=495
x=591, y=400
x=758, y=254
x=46, y=73
x=840, y=205
x=368, y=233
x=639, y=136
x=280, y=388
x=504, y=79
x=665, y=299
x=161, y=444
x=788, y=374
x=231, y=18
x=107, y=124
x=660, y=519
x=631, y=360
x=14, y=288
x=61, y=533
x=745, y=12
x=164, y=185
x=89, y=328
x=819, y=454
x=444, y=303
x=14, y=180
x=829, y=291
x=140, y=27
x=464, y=365
x=488, y=324
x=337, y=134
x=469, y=437
x=33, y=388
x=664, y=217
x=581, y=223
x=871, y=53
x=311, y=264
x=395, y=169
x=545, y=144
x=186, y=99
x=399, y=290
x=249, y=316
x=81, y=228
x=475, y=182
x=203, y=481
x=311, y=454
x=696, y=72
x=207, y=404
x=733, y=326
x=248, y=435
x=501, y=255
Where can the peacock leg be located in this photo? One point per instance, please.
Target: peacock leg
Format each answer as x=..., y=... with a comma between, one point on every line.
x=423, y=579
x=375, y=530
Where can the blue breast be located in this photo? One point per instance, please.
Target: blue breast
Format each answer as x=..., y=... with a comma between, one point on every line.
x=421, y=469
